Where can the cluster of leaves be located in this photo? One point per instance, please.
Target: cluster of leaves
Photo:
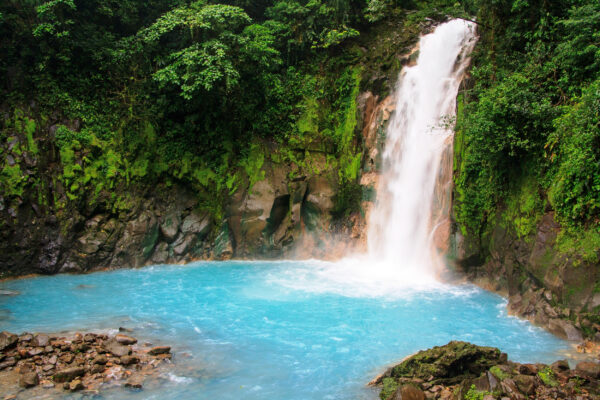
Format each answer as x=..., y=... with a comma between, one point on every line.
x=530, y=129
x=168, y=90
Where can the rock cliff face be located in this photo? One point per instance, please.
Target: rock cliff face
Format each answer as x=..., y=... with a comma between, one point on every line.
x=548, y=288
x=166, y=225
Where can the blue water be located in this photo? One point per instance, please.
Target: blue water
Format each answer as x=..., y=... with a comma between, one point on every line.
x=270, y=330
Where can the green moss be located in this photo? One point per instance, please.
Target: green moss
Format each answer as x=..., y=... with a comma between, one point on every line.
x=388, y=389
x=474, y=394
x=498, y=373
x=547, y=377
x=252, y=165
x=524, y=208
x=13, y=181
x=580, y=242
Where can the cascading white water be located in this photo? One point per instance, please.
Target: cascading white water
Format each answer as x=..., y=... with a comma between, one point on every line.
x=402, y=224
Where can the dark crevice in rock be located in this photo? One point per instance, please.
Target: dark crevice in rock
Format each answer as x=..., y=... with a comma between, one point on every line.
x=280, y=209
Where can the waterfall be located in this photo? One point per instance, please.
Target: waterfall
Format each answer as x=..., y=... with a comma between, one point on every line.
x=411, y=213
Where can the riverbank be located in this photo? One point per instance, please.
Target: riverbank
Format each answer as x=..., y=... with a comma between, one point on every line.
x=464, y=371
x=41, y=364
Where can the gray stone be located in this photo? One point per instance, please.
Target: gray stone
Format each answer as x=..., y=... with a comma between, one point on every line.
x=196, y=223
x=170, y=226
x=564, y=329
x=183, y=244
x=161, y=253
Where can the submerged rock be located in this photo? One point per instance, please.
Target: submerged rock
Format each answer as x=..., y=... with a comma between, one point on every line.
x=29, y=379
x=159, y=350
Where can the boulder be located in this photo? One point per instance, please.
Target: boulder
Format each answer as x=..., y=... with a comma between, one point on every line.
x=129, y=360
x=100, y=360
x=116, y=348
x=528, y=369
x=124, y=339
x=198, y=223
x=76, y=385
x=68, y=374
x=89, y=338
x=40, y=340
x=29, y=379
x=509, y=387
x=525, y=383
x=564, y=329
x=135, y=382
x=170, y=226
x=159, y=350
x=588, y=369
x=560, y=366
x=448, y=364
x=408, y=392
x=7, y=340
x=26, y=337
x=161, y=253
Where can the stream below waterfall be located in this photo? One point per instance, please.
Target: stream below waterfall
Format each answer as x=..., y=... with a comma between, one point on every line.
x=270, y=330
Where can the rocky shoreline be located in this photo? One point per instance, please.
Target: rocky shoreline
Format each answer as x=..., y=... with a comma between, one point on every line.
x=78, y=362
x=464, y=371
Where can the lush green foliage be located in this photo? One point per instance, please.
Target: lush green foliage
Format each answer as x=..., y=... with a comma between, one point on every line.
x=117, y=94
x=529, y=130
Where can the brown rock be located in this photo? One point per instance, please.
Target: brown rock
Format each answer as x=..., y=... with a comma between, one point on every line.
x=135, y=382
x=528, y=369
x=588, y=369
x=115, y=348
x=52, y=360
x=124, y=339
x=525, y=383
x=36, y=351
x=7, y=340
x=29, y=379
x=47, y=367
x=7, y=363
x=101, y=359
x=40, y=340
x=128, y=360
x=67, y=358
x=67, y=375
x=27, y=337
x=159, y=350
x=97, y=369
x=75, y=385
x=89, y=338
x=560, y=366
x=408, y=392
x=509, y=387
